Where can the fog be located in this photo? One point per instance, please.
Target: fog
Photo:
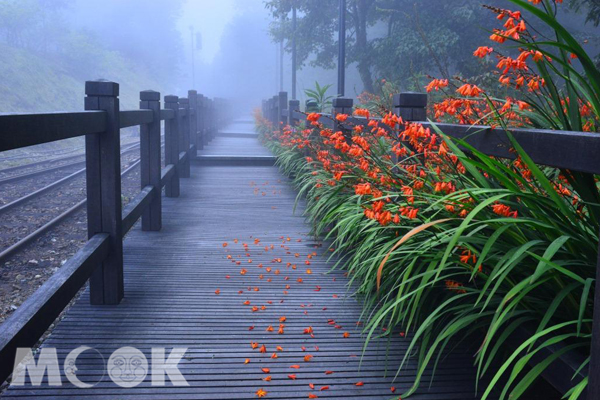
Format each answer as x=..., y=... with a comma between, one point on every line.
x=221, y=48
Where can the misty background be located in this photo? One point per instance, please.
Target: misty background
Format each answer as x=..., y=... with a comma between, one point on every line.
x=49, y=48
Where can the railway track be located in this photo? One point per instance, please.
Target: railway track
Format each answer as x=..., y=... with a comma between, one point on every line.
x=8, y=249
x=47, y=166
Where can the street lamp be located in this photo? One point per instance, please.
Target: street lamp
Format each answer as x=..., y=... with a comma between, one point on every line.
x=294, y=51
x=342, y=49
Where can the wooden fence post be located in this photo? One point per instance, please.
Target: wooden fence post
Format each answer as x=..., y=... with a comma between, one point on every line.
x=103, y=182
x=201, y=120
x=593, y=388
x=172, y=145
x=184, y=138
x=411, y=107
x=294, y=106
x=209, y=120
x=193, y=99
x=150, y=159
x=281, y=107
x=341, y=105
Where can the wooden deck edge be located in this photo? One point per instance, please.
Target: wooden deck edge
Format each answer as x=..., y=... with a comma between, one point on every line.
x=235, y=160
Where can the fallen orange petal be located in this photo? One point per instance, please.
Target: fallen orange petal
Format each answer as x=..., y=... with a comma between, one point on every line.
x=295, y=366
x=359, y=384
x=265, y=370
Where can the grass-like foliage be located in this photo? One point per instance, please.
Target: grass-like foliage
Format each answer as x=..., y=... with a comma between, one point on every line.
x=450, y=246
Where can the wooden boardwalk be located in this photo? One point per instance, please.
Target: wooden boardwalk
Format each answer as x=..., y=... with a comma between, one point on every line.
x=182, y=290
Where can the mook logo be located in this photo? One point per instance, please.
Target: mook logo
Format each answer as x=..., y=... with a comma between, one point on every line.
x=126, y=367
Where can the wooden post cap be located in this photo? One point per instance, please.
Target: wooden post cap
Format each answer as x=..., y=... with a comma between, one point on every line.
x=101, y=87
x=410, y=99
x=149, y=95
x=183, y=100
x=342, y=102
x=171, y=98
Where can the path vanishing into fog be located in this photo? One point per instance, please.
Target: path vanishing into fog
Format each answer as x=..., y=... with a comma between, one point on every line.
x=235, y=278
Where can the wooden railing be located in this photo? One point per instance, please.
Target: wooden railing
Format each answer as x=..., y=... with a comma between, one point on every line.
x=190, y=123
x=575, y=151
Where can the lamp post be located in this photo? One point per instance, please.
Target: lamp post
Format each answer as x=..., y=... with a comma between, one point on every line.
x=342, y=49
x=281, y=55
x=193, y=63
x=294, y=51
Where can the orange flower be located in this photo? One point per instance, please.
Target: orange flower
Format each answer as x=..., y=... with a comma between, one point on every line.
x=469, y=90
x=217, y=291
x=243, y=271
x=307, y=358
x=346, y=334
x=341, y=117
x=261, y=393
x=362, y=112
x=483, y=51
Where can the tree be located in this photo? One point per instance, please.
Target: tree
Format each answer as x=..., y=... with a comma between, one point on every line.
x=392, y=39
x=317, y=32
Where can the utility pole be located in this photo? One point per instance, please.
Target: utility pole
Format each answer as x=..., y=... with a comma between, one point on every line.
x=342, y=49
x=294, y=51
x=193, y=63
x=281, y=55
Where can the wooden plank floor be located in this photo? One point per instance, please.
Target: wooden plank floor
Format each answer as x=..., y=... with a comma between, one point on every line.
x=170, y=281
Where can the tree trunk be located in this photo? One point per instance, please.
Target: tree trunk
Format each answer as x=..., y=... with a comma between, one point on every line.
x=361, y=9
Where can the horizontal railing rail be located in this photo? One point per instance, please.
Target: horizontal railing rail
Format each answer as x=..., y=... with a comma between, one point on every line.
x=22, y=130
x=190, y=123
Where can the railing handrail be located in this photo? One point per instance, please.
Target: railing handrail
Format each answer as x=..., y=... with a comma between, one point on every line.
x=100, y=259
